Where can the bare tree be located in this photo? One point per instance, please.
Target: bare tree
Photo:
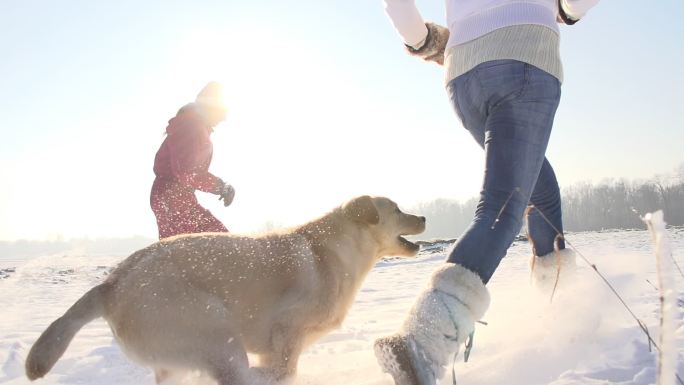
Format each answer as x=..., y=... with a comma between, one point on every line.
x=611, y=204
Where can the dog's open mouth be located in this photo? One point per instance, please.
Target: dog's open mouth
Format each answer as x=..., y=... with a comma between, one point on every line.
x=408, y=244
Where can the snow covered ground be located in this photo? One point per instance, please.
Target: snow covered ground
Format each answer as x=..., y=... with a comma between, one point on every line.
x=583, y=337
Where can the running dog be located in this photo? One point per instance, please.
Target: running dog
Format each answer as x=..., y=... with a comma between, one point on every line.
x=203, y=301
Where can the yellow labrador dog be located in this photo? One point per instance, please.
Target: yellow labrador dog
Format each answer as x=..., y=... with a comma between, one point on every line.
x=203, y=301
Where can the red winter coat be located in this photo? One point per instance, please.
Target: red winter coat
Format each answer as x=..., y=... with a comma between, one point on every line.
x=181, y=167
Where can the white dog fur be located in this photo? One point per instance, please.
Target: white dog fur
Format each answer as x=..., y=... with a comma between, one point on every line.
x=203, y=301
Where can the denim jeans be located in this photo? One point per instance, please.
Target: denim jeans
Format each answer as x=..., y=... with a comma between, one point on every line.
x=508, y=107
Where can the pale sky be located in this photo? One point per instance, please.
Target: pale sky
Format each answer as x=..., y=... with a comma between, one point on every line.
x=324, y=105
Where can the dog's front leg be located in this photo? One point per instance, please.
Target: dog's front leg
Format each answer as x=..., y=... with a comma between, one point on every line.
x=278, y=367
x=286, y=347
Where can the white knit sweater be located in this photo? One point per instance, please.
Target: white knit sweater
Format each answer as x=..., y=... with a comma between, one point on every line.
x=470, y=19
x=485, y=30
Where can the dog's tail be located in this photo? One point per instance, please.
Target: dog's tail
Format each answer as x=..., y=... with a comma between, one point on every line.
x=55, y=339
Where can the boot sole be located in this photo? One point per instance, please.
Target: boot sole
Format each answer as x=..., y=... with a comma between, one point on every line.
x=394, y=358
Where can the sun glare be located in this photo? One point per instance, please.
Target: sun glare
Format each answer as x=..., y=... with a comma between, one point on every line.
x=302, y=136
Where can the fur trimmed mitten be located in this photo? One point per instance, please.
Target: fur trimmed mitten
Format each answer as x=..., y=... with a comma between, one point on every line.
x=555, y=266
x=440, y=321
x=433, y=45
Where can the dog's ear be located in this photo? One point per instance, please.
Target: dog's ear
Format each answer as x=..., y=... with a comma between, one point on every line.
x=362, y=209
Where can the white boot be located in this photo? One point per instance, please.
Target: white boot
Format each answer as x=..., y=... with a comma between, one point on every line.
x=440, y=321
x=555, y=269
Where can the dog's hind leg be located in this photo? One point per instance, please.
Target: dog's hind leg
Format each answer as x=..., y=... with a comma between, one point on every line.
x=177, y=326
x=229, y=366
x=212, y=351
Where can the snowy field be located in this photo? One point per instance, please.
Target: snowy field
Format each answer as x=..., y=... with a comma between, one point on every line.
x=583, y=337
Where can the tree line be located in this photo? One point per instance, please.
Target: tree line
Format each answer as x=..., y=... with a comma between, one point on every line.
x=610, y=204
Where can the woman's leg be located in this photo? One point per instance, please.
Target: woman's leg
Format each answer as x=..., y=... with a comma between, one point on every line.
x=545, y=219
x=508, y=107
x=206, y=222
x=517, y=103
x=161, y=209
x=178, y=212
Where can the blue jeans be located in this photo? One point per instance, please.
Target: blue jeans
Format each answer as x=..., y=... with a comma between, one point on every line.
x=508, y=106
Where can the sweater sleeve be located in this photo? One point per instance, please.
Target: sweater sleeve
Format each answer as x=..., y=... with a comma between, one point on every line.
x=578, y=8
x=407, y=20
x=191, y=156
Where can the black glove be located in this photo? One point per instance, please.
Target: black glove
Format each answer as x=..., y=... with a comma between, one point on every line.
x=226, y=193
x=434, y=44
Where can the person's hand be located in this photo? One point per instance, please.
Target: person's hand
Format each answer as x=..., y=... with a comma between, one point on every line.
x=226, y=193
x=434, y=44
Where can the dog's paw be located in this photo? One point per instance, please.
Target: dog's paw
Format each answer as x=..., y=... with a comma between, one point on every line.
x=269, y=376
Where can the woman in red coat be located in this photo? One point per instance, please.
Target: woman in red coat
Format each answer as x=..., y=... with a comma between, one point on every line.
x=181, y=167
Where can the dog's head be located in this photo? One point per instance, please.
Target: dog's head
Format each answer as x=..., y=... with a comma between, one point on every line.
x=387, y=224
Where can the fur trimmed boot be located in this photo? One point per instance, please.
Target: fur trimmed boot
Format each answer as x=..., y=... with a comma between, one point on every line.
x=556, y=266
x=440, y=321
